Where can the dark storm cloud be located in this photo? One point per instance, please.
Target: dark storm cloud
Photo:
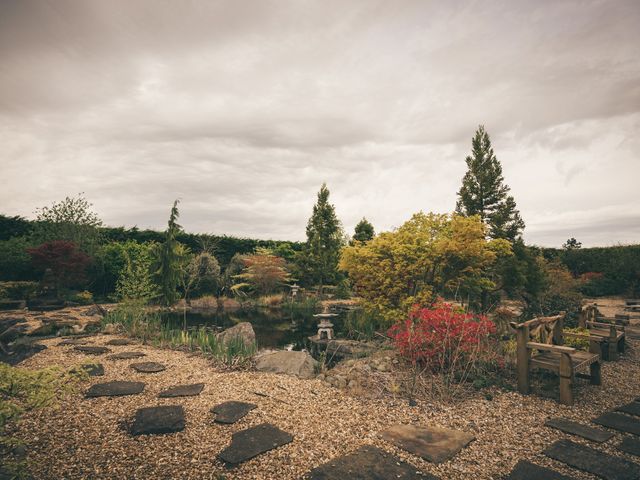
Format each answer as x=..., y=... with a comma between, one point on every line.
x=242, y=109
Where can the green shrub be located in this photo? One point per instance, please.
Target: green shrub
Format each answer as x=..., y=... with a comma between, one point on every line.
x=578, y=343
x=83, y=298
x=18, y=290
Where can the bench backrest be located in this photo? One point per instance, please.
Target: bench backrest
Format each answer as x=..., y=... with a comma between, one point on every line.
x=589, y=313
x=546, y=330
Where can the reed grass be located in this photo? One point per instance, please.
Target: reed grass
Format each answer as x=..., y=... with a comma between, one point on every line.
x=137, y=322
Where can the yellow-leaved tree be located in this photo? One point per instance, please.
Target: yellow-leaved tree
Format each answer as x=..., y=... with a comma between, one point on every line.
x=430, y=255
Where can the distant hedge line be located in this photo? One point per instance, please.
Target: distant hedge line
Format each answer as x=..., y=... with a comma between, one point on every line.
x=224, y=246
x=604, y=270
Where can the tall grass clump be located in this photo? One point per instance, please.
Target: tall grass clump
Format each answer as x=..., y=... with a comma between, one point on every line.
x=22, y=390
x=134, y=320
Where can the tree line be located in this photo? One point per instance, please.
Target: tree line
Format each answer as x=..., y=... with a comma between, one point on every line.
x=476, y=255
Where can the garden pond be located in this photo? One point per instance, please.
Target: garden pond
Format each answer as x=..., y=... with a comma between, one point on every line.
x=275, y=328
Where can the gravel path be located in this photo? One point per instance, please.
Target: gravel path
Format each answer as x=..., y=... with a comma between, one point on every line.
x=87, y=438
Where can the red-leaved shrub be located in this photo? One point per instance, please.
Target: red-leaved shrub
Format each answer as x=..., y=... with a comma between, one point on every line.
x=67, y=262
x=441, y=337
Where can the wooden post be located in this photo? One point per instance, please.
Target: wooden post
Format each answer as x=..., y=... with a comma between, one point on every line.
x=522, y=337
x=595, y=347
x=613, y=343
x=596, y=376
x=557, y=333
x=566, y=379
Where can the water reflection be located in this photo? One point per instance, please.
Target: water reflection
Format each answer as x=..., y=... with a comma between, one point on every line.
x=281, y=329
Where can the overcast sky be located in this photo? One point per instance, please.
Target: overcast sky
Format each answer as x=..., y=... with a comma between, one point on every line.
x=241, y=109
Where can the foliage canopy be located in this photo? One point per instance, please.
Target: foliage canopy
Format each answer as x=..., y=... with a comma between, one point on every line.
x=429, y=255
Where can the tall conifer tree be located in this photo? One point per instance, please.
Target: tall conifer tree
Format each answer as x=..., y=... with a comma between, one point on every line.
x=324, y=240
x=169, y=257
x=484, y=193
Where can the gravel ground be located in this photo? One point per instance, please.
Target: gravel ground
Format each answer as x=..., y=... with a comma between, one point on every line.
x=87, y=438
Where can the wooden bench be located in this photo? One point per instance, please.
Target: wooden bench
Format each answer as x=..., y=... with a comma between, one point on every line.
x=540, y=346
x=609, y=329
x=613, y=337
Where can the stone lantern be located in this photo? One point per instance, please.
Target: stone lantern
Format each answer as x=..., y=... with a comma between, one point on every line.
x=325, y=327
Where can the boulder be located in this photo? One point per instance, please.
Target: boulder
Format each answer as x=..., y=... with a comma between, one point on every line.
x=340, y=349
x=242, y=330
x=110, y=328
x=300, y=364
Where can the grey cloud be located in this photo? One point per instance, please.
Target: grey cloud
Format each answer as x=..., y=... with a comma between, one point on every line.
x=242, y=109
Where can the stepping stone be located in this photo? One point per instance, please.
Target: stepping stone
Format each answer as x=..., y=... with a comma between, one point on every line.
x=632, y=408
x=148, y=367
x=115, y=389
x=126, y=355
x=431, y=443
x=93, y=369
x=231, y=412
x=253, y=441
x=620, y=422
x=367, y=463
x=182, y=391
x=73, y=341
x=157, y=420
x=91, y=350
x=120, y=341
x=530, y=471
x=593, y=461
x=584, y=431
x=630, y=445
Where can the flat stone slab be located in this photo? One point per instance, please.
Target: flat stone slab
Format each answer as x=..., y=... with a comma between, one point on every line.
x=115, y=389
x=120, y=341
x=431, y=443
x=182, y=391
x=632, y=408
x=126, y=355
x=593, y=461
x=231, y=412
x=367, y=463
x=73, y=341
x=158, y=420
x=525, y=470
x=630, y=445
x=93, y=369
x=620, y=422
x=148, y=367
x=91, y=349
x=253, y=441
x=575, y=428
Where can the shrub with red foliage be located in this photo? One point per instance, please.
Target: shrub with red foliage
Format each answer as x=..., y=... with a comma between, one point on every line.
x=441, y=337
x=589, y=276
x=67, y=262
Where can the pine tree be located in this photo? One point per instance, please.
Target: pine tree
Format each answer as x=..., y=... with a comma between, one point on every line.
x=484, y=193
x=363, y=231
x=169, y=258
x=324, y=240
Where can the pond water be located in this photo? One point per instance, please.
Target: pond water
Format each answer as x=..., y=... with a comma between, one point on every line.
x=279, y=329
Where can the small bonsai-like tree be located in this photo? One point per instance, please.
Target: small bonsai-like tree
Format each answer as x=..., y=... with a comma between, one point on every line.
x=65, y=260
